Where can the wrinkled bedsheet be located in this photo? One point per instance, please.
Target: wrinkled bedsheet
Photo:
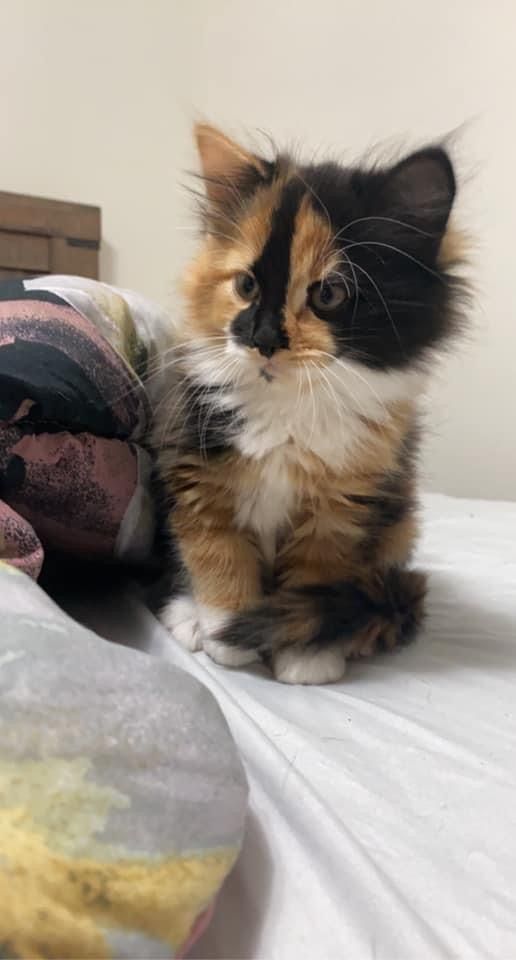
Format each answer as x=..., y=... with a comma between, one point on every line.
x=383, y=808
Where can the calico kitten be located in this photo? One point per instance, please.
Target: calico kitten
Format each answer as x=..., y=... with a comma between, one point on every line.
x=317, y=300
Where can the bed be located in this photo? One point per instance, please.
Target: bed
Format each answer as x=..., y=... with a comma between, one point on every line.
x=382, y=816
x=39, y=235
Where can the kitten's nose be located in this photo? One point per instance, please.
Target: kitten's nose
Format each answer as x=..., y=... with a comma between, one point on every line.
x=266, y=349
x=268, y=338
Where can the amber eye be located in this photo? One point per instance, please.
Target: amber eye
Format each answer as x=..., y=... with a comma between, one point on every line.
x=246, y=286
x=327, y=295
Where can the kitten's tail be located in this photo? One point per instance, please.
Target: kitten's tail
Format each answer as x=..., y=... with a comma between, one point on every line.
x=325, y=625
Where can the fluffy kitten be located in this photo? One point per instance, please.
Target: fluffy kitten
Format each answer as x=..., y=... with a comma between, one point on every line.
x=317, y=299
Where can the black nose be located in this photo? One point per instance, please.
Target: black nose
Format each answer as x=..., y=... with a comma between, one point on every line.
x=266, y=350
x=268, y=339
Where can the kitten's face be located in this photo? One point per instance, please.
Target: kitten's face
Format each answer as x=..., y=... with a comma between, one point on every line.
x=306, y=265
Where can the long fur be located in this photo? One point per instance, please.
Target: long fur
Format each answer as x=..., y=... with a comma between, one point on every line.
x=288, y=443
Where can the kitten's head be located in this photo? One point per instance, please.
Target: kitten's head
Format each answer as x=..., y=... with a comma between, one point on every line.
x=312, y=264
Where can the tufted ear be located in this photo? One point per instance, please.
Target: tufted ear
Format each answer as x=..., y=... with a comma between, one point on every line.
x=227, y=168
x=422, y=188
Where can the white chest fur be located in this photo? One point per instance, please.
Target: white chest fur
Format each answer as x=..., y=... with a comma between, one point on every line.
x=267, y=507
x=287, y=423
x=284, y=427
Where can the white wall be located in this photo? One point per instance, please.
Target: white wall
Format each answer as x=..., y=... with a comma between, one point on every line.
x=97, y=97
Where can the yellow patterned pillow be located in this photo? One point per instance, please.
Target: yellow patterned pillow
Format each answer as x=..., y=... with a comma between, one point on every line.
x=122, y=799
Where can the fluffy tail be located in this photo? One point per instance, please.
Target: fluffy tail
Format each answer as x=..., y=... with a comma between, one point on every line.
x=325, y=625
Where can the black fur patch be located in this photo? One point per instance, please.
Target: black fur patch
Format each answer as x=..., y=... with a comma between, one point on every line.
x=338, y=611
x=341, y=610
x=204, y=427
x=394, y=498
x=388, y=225
x=385, y=509
x=261, y=324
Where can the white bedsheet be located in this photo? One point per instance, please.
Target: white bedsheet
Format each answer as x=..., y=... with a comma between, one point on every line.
x=383, y=809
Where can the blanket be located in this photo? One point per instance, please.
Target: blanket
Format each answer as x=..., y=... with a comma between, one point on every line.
x=75, y=468
x=122, y=797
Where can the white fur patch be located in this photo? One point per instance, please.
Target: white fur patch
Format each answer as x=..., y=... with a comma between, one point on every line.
x=287, y=419
x=322, y=416
x=180, y=617
x=299, y=665
x=227, y=655
x=306, y=408
x=266, y=509
x=212, y=620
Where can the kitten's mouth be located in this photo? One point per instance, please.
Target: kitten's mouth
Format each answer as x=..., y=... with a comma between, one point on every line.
x=266, y=373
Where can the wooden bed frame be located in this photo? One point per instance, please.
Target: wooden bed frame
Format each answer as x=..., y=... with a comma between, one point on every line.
x=47, y=236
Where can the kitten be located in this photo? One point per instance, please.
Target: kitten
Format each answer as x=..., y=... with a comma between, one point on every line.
x=317, y=300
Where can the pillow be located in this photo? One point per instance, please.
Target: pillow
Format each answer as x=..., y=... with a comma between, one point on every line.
x=75, y=468
x=122, y=797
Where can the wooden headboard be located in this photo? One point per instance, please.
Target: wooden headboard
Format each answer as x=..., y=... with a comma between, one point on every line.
x=47, y=236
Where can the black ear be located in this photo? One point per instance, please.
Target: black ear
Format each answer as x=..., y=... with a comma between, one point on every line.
x=421, y=189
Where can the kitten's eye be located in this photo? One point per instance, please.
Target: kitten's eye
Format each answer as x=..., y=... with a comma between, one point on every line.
x=246, y=286
x=327, y=295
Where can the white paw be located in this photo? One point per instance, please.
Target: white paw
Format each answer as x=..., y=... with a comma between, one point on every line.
x=212, y=621
x=304, y=665
x=180, y=617
x=227, y=655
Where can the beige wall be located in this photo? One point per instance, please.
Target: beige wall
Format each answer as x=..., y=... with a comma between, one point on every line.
x=97, y=97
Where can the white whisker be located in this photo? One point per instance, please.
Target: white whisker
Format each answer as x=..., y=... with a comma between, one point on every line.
x=384, y=302
x=227, y=370
x=312, y=395
x=399, y=223
x=389, y=246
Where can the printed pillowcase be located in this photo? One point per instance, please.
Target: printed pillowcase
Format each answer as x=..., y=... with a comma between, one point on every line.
x=74, y=470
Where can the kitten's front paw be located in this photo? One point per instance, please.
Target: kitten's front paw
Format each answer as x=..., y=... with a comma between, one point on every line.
x=213, y=621
x=297, y=664
x=180, y=617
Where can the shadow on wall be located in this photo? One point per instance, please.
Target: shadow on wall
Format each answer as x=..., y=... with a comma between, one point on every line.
x=108, y=262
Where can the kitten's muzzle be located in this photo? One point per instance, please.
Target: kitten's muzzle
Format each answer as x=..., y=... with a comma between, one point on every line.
x=260, y=329
x=269, y=336
x=266, y=348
